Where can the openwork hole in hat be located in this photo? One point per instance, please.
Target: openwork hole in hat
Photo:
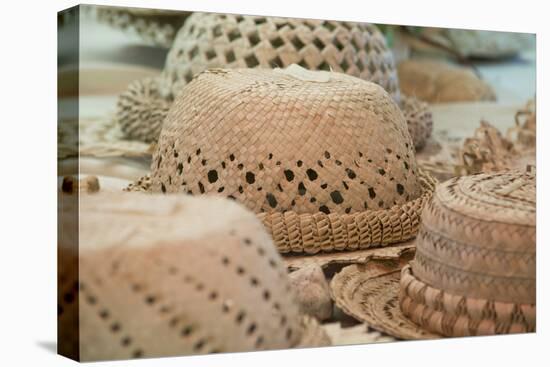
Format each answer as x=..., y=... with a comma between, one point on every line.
x=325, y=159
x=214, y=280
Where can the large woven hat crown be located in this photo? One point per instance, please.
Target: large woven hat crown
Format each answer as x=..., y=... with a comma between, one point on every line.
x=292, y=141
x=163, y=277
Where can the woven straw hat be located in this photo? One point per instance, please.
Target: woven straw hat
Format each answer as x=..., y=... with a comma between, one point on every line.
x=474, y=268
x=232, y=41
x=156, y=27
x=178, y=276
x=323, y=158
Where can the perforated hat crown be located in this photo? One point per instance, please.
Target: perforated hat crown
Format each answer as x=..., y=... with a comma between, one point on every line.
x=178, y=276
x=306, y=149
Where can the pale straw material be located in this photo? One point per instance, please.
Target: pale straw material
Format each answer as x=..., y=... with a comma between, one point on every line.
x=325, y=159
x=474, y=268
x=370, y=293
x=156, y=27
x=234, y=41
x=176, y=276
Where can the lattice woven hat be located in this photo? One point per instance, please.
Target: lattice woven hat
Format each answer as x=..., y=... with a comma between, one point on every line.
x=325, y=159
x=233, y=41
x=474, y=268
x=178, y=276
x=156, y=27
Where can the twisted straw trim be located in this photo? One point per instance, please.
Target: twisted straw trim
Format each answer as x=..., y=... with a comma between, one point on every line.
x=451, y=315
x=477, y=272
x=312, y=233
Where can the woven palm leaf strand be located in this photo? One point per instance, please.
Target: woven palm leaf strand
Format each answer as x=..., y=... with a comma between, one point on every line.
x=455, y=315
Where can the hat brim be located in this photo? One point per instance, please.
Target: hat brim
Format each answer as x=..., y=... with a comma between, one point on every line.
x=97, y=137
x=455, y=315
x=314, y=233
x=320, y=232
x=390, y=299
x=342, y=258
x=370, y=293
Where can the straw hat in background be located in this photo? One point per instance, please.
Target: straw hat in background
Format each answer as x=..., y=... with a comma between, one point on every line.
x=233, y=41
x=157, y=27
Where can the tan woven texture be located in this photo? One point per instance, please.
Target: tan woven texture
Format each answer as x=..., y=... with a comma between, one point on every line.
x=488, y=150
x=440, y=82
x=233, y=41
x=325, y=159
x=155, y=26
x=178, y=276
x=419, y=120
x=474, y=269
x=370, y=293
x=142, y=102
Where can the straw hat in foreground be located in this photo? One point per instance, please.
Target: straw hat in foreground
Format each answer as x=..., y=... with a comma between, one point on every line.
x=173, y=276
x=474, y=268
